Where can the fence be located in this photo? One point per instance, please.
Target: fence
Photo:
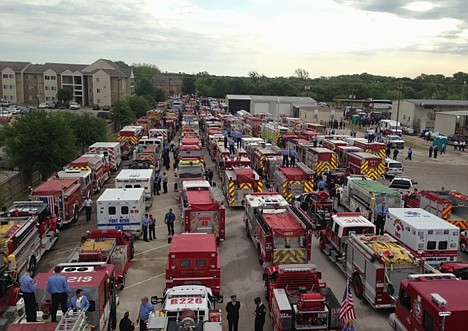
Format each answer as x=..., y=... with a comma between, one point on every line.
x=15, y=183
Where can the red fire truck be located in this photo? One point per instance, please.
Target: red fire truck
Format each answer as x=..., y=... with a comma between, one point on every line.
x=366, y=164
x=84, y=176
x=431, y=302
x=193, y=259
x=97, y=281
x=343, y=152
x=111, y=246
x=260, y=156
x=298, y=300
x=318, y=206
x=373, y=148
x=131, y=133
x=239, y=181
x=203, y=208
x=280, y=235
x=293, y=181
x=96, y=163
x=111, y=150
x=63, y=197
x=333, y=144
x=320, y=159
x=28, y=230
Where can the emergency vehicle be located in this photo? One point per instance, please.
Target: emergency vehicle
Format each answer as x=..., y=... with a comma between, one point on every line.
x=84, y=176
x=280, y=234
x=332, y=144
x=431, y=302
x=293, y=181
x=95, y=163
x=239, y=181
x=63, y=197
x=150, y=153
x=362, y=194
x=125, y=149
x=247, y=141
x=121, y=209
x=111, y=151
x=320, y=159
x=299, y=300
x=203, y=208
x=220, y=154
x=264, y=158
x=318, y=206
x=449, y=205
x=424, y=234
x=132, y=133
x=366, y=164
x=334, y=237
x=186, y=307
x=137, y=178
x=320, y=128
x=191, y=152
x=190, y=169
x=343, y=152
x=27, y=231
x=193, y=259
x=9, y=296
x=97, y=280
x=376, y=265
x=375, y=148
x=272, y=132
x=111, y=246
x=212, y=144
x=158, y=133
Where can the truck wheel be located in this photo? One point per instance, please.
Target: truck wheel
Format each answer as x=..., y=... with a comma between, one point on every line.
x=32, y=263
x=247, y=232
x=75, y=214
x=357, y=286
x=132, y=252
x=463, y=246
x=122, y=282
x=260, y=259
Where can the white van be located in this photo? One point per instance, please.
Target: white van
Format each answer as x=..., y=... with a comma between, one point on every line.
x=390, y=127
x=137, y=178
x=121, y=209
x=393, y=168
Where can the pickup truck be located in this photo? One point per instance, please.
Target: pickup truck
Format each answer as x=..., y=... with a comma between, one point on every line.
x=404, y=185
x=394, y=141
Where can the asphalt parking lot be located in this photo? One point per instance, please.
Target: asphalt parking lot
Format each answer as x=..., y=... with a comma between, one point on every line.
x=241, y=272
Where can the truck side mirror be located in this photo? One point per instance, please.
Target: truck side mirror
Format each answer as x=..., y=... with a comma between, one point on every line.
x=154, y=300
x=219, y=299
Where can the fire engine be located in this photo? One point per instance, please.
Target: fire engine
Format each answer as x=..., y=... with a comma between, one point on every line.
x=343, y=152
x=375, y=148
x=85, y=177
x=137, y=178
x=203, y=208
x=376, y=265
x=111, y=246
x=259, y=158
x=150, y=153
x=318, y=206
x=96, y=164
x=63, y=197
x=459, y=269
x=335, y=235
x=238, y=182
x=111, y=151
x=132, y=133
x=281, y=234
x=424, y=234
x=333, y=144
x=449, y=205
x=193, y=259
x=362, y=194
x=320, y=159
x=190, y=169
x=366, y=164
x=28, y=230
x=298, y=300
x=293, y=181
x=97, y=280
x=187, y=307
x=431, y=302
x=272, y=132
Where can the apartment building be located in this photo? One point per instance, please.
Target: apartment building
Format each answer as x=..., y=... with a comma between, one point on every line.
x=102, y=82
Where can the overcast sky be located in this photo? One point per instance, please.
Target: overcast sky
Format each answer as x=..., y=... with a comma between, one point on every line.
x=273, y=37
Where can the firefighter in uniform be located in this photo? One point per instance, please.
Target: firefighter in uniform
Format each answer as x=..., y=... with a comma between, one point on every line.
x=381, y=212
x=28, y=289
x=232, y=309
x=260, y=312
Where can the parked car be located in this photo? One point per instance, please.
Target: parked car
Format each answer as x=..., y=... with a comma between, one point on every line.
x=43, y=105
x=26, y=110
x=74, y=106
x=103, y=115
x=5, y=103
x=106, y=108
x=96, y=107
x=13, y=109
x=5, y=113
x=394, y=141
x=393, y=168
x=456, y=137
x=436, y=135
x=403, y=184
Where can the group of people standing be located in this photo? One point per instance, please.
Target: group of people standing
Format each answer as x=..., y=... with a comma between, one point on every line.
x=289, y=157
x=233, y=139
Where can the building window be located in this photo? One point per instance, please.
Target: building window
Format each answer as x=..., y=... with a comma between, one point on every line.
x=30, y=97
x=409, y=118
x=12, y=87
x=98, y=90
x=47, y=88
x=404, y=116
x=5, y=75
x=97, y=79
x=98, y=101
x=53, y=77
x=47, y=77
x=47, y=98
x=5, y=87
x=11, y=97
x=53, y=88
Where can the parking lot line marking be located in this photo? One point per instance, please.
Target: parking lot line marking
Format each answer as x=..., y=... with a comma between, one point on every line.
x=152, y=249
x=144, y=281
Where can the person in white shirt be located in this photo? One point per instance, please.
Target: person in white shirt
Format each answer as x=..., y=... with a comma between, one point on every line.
x=88, y=203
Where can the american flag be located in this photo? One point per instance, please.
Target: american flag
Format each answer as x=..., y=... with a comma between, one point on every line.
x=347, y=305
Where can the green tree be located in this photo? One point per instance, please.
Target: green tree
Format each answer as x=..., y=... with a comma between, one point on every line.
x=144, y=87
x=301, y=73
x=64, y=95
x=188, y=85
x=121, y=114
x=87, y=129
x=138, y=105
x=39, y=141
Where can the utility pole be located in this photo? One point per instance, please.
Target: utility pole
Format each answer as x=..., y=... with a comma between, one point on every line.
x=398, y=108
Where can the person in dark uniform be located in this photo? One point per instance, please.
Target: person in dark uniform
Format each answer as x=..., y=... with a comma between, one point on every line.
x=126, y=324
x=28, y=289
x=260, y=312
x=58, y=288
x=232, y=309
x=381, y=212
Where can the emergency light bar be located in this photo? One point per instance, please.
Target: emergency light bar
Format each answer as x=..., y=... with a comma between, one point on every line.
x=438, y=300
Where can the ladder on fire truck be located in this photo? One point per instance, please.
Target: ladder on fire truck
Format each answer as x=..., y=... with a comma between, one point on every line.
x=217, y=195
x=72, y=321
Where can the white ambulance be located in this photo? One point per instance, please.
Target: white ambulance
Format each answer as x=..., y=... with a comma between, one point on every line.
x=111, y=150
x=424, y=234
x=137, y=178
x=121, y=209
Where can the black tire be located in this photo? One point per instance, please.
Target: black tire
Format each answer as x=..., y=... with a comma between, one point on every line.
x=32, y=264
x=75, y=214
x=357, y=286
x=463, y=247
x=122, y=282
x=260, y=259
x=247, y=232
x=132, y=252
